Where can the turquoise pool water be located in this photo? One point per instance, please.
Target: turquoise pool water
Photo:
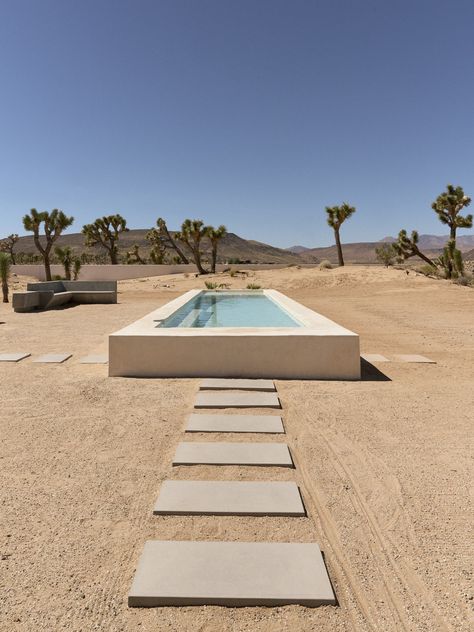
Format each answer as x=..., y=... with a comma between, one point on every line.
x=230, y=309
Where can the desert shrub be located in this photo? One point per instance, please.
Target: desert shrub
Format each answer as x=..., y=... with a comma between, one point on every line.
x=429, y=271
x=464, y=280
x=386, y=254
x=325, y=265
x=233, y=273
x=223, y=286
x=253, y=286
x=210, y=285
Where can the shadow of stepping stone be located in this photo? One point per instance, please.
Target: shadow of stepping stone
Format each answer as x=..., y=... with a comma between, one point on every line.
x=230, y=574
x=13, y=357
x=246, y=385
x=222, y=453
x=235, y=423
x=236, y=399
x=233, y=498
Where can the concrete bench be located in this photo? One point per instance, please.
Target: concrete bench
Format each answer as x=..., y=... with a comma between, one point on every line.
x=56, y=293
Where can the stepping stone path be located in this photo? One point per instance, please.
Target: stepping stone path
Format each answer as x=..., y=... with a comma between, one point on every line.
x=414, y=358
x=94, y=359
x=13, y=357
x=229, y=498
x=246, y=385
x=374, y=357
x=235, y=423
x=221, y=453
x=53, y=358
x=236, y=399
x=231, y=573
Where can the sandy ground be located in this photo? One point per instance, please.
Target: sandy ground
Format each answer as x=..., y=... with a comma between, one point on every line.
x=383, y=464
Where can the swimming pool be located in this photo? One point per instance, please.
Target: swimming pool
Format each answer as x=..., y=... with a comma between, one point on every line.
x=229, y=333
x=230, y=309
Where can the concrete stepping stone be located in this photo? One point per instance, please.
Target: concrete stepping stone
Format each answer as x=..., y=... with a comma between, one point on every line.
x=374, y=357
x=13, y=357
x=246, y=385
x=230, y=574
x=231, y=498
x=222, y=453
x=94, y=359
x=414, y=358
x=53, y=358
x=235, y=423
x=236, y=399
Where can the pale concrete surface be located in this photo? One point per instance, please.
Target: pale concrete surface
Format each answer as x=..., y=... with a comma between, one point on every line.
x=374, y=357
x=235, y=423
x=233, y=498
x=414, y=358
x=53, y=358
x=318, y=349
x=94, y=359
x=230, y=574
x=236, y=399
x=13, y=357
x=224, y=453
x=246, y=385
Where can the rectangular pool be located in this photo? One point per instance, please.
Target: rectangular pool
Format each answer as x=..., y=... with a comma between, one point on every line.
x=231, y=309
x=248, y=333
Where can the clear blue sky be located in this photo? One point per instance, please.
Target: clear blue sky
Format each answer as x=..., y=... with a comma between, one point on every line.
x=252, y=113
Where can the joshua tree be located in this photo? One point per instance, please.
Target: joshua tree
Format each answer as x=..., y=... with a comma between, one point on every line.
x=215, y=235
x=385, y=253
x=158, y=245
x=105, y=231
x=192, y=233
x=66, y=257
x=133, y=255
x=5, y=264
x=76, y=268
x=451, y=260
x=163, y=235
x=54, y=224
x=448, y=206
x=407, y=247
x=8, y=245
x=336, y=216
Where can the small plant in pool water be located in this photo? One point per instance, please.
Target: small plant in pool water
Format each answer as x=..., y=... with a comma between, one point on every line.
x=253, y=286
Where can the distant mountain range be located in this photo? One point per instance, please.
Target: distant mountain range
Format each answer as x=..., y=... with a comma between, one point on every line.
x=236, y=248
x=364, y=252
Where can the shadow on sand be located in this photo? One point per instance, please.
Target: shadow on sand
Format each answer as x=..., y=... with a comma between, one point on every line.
x=370, y=373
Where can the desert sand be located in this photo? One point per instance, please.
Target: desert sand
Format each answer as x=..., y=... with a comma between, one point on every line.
x=384, y=464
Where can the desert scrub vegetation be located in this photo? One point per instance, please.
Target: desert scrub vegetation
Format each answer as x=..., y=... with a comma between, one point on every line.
x=325, y=265
x=253, y=286
x=211, y=285
x=386, y=254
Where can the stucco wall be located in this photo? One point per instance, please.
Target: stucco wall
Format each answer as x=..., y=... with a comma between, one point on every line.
x=121, y=272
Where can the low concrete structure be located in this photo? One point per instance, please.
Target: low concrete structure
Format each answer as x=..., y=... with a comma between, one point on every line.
x=222, y=384
x=374, y=357
x=222, y=453
x=235, y=423
x=230, y=574
x=229, y=498
x=94, y=359
x=236, y=399
x=52, y=294
x=317, y=349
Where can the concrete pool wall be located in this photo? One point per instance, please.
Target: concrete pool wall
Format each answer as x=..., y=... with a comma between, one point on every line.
x=320, y=349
